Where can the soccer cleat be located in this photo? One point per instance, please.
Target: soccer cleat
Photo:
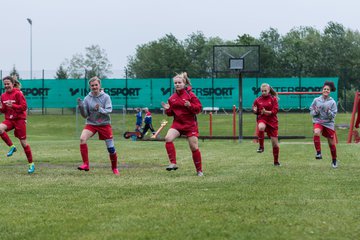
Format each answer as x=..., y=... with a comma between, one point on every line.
x=200, y=174
x=334, y=164
x=277, y=164
x=116, y=171
x=260, y=150
x=318, y=156
x=172, y=166
x=11, y=151
x=84, y=167
x=31, y=168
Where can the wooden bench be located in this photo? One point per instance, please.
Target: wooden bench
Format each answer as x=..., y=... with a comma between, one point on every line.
x=210, y=109
x=34, y=110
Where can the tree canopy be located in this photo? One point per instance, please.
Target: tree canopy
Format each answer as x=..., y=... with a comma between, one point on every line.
x=302, y=52
x=94, y=63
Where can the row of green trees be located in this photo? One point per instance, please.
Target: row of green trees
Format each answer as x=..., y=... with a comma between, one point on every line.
x=303, y=51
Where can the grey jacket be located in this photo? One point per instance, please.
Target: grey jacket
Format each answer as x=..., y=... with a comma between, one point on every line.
x=324, y=111
x=88, y=109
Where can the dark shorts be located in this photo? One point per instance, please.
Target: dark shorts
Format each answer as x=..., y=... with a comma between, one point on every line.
x=19, y=126
x=104, y=131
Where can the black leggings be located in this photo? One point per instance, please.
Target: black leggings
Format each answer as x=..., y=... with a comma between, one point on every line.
x=147, y=127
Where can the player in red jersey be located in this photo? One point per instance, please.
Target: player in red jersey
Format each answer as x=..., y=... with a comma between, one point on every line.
x=183, y=105
x=14, y=106
x=266, y=107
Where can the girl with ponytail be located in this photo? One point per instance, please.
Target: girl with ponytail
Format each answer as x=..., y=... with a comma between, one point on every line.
x=266, y=108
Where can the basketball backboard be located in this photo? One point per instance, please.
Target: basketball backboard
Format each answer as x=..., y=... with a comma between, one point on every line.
x=236, y=58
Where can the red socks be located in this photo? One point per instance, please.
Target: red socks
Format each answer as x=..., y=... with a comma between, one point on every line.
x=28, y=153
x=85, y=156
x=196, y=155
x=261, y=135
x=170, y=149
x=6, y=139
x=113, y=159
x=317, y=143
x=84, y=153
x=276, y=154
x=333, y=151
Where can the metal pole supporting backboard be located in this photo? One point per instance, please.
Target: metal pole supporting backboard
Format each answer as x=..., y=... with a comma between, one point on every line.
x=240, y=108
x=239, y=59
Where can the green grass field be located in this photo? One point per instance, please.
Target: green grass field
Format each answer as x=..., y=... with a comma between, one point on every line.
x=241, y=196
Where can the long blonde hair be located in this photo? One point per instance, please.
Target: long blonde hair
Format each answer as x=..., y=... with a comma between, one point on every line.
x=184, y=77
x=13, y=79
x=272, y=91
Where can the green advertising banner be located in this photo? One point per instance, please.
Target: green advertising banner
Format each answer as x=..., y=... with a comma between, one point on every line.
x=131, y=93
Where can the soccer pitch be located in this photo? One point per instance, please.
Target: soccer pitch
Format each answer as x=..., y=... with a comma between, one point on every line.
x=241, y=196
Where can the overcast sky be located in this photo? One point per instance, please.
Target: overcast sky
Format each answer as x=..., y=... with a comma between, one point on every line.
x=62, y=28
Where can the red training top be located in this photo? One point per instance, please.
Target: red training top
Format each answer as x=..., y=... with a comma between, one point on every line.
x=19, y=105
x=184, y=117
x=270, y=103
